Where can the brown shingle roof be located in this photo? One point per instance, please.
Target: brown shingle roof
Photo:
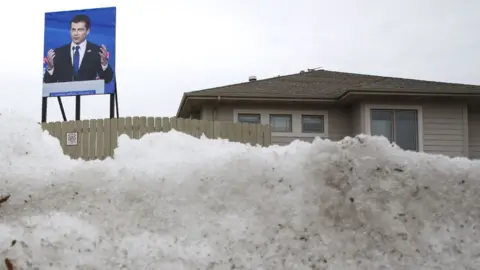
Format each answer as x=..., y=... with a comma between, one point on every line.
x=331, y=85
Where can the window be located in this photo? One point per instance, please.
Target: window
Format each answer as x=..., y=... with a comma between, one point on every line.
x=312, y=124
x=281, y=122
x=249, y=118
x=286, y=123
x=398, y=125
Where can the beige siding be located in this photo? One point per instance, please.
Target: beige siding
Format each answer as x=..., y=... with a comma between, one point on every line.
x=474, y=132
x=217, y=113
x=224, y=114
x=357, y=119
x=339, y=123
x=443, y=129
x=282, y=140
x=206, y=113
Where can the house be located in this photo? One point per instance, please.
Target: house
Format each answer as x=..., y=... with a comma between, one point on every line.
x=427, y=116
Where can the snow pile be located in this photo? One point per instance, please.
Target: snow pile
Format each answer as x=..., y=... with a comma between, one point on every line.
x=171, y=201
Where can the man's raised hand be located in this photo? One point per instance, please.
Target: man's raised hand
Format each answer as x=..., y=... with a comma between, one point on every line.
x=50, y=57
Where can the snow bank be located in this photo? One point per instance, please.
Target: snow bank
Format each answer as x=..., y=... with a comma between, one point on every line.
x=171, y=201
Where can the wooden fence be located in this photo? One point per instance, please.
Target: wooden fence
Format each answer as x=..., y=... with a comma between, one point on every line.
x=97, y=139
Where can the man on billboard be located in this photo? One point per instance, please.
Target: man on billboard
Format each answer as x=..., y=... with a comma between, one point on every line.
x=80, y=60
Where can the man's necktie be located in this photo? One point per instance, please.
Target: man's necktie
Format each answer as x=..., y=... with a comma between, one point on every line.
x=76, y=60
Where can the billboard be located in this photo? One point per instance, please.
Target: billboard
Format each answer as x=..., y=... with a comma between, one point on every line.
x=79, y=52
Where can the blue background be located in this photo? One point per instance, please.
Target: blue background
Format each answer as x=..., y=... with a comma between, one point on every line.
x=102, y=31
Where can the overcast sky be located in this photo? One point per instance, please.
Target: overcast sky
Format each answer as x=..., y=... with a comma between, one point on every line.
x=165, y=48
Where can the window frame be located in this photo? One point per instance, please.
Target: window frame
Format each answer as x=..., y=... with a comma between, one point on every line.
x=251, y=114
x=296, y=120
x=312, y=115
x=419, y=109
x=290, y=116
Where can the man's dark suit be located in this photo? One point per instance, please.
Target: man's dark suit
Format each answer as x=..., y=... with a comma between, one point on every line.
x=90, y=66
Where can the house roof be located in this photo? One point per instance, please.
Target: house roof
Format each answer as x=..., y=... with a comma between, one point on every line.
x=331, y=85
x=328, y=86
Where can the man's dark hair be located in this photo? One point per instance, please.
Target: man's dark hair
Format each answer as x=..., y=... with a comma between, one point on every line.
x=81, y=18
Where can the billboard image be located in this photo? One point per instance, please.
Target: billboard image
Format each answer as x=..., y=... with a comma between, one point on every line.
x=79, y=52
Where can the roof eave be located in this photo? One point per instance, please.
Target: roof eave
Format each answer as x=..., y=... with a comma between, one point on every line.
x=372, y=92
x=405, y=93
x=186, y=96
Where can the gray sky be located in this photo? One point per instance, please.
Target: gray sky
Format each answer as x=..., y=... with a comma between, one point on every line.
x=165, y=48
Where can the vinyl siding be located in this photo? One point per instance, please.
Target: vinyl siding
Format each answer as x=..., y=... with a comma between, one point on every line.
x=340, y=123
x=474, y=132
x=443, y=129
x=357, y=119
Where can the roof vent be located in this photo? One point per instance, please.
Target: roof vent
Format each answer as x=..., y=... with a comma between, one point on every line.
x=252, y=78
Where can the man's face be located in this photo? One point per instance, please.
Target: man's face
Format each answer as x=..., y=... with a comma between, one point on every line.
x=78, y=32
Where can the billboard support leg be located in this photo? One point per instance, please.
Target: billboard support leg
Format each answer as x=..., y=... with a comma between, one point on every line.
x=112, y=106
x=116, y=97
x=77, y=108
x=44, y=109
x=62, y=110
x=114, y=101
